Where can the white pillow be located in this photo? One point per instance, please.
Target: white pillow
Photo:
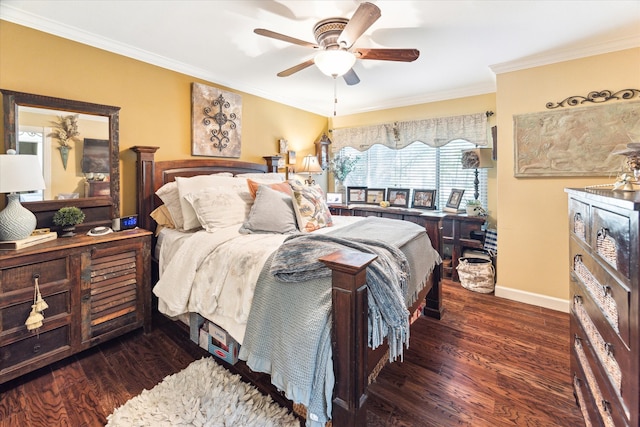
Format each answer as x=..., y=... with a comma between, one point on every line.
x=198, y=183
x=272, y=212
x=218, y=207
x=169, y=195
x=263, y=178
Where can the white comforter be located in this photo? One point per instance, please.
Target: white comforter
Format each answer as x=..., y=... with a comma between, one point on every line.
x=215, y=274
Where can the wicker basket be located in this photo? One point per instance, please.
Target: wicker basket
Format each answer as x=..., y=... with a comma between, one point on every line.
x=476, y=274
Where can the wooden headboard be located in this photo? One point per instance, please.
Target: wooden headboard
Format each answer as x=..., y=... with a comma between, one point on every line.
x=152, y=175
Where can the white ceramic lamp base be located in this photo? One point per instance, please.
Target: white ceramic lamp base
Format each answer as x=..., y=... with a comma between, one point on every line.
x=16, y=222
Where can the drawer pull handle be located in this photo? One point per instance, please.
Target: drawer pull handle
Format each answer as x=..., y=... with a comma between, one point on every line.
x=577, y=259
x=577, y=299
x=85, y=298
x=606, y=289
x=608, y=347
x=36, y=348
x=36, y=275
x=603, y=232
x=606, y=406
x=577, y=337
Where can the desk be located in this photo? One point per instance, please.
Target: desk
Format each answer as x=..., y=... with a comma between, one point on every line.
x=450, y=233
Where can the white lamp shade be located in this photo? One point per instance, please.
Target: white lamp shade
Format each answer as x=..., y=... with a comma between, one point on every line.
x=20, y=172
x=335, y=62
x=311, y=165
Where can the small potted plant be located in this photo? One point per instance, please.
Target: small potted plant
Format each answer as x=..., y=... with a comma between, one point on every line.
x=474, y=208
x=67, y=218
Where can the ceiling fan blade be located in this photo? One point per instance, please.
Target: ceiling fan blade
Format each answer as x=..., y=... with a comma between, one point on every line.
x=366, y=14
x=278, y=36
x=402, y=55
x=351, y=78
x=296, y=68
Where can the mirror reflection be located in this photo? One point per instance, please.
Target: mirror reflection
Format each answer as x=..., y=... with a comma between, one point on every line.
x=72, y=167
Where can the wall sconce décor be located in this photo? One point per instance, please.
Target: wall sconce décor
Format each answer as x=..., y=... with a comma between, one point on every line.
x=322, y=151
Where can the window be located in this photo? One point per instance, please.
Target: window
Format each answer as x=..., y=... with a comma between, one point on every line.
x=417, y=166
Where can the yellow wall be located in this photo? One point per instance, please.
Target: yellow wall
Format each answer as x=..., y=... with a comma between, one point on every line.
x=532, y=221
x=155, y=103
x=533, y=225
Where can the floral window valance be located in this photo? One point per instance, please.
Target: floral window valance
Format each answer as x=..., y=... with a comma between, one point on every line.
x=434, y=132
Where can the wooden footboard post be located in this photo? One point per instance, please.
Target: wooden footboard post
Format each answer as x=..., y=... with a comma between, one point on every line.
x=349, y=336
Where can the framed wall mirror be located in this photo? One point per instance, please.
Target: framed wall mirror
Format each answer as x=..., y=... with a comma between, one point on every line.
x=87, y=175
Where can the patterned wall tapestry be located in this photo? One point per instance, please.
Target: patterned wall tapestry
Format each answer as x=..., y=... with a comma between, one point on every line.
x=576, y=142
x=215, y=122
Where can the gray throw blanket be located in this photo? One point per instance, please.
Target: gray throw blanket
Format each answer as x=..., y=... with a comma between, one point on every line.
x=288, y=333
x=387, y=275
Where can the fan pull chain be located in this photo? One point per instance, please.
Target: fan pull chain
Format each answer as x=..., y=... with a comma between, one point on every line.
x=335, y=94
x=35, y=319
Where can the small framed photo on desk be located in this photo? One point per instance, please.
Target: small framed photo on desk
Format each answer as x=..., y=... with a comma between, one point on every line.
x=424, y=199
x=334, y=198
x=453, y=203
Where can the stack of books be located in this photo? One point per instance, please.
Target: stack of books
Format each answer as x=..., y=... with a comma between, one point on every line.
x=34, y=239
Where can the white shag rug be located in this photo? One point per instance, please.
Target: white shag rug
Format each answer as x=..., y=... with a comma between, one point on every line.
x=203, y=394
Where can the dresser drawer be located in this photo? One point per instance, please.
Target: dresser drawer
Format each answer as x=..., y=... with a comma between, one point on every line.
x=612, y=298
x=20, y=277
x=579, y=219
x=34, y=347
x=611, y=239
x=596, y=385
x=612, y=355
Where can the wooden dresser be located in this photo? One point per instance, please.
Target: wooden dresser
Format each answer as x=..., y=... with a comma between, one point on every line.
x=604, y=248
x=97, y=288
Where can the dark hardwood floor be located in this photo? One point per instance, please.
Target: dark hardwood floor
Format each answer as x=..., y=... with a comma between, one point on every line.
x=487, y=362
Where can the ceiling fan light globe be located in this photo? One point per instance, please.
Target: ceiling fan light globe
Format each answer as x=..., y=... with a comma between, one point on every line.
x=334, y=63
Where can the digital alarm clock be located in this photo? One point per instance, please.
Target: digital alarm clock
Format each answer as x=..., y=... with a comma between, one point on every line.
x=125, y=223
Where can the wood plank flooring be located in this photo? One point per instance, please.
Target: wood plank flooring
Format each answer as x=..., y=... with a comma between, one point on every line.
x=487, y=362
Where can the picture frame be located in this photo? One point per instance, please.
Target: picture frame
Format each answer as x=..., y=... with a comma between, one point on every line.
x=398, y=197
x=455, y=198
x=283, y=145
x=424, y=199
x=334, y=198
x=356, y=195
x=375, y=195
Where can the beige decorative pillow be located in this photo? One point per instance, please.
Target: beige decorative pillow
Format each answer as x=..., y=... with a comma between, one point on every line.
x=311, y=208
x=198, y=183
x=162, y=216
x=218, y=207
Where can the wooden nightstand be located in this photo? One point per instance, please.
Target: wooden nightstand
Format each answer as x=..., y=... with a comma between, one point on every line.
x=97, y=288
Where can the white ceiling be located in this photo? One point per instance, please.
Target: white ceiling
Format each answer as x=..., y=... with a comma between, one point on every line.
x=462, y=44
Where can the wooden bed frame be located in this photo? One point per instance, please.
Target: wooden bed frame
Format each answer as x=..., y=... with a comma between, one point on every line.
x=355, y=364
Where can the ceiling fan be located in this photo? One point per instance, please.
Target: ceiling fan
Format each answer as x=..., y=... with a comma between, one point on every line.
x=335, y=38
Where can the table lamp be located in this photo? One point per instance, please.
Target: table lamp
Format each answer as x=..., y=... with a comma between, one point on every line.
x=18, y=172
x=311, y=166
x=477, y=158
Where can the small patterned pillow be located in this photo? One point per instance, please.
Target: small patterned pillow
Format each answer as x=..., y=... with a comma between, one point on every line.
x=310, y=206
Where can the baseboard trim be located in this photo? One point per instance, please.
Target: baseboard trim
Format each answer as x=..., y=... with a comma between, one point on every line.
x=534, y=299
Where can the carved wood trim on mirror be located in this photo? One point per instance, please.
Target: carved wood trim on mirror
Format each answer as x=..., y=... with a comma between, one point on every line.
x=99, y=210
